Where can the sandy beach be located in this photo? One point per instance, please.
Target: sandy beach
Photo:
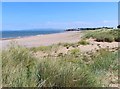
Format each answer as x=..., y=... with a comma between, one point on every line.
x=59, y=44
x=45, y=40
x=65, y=37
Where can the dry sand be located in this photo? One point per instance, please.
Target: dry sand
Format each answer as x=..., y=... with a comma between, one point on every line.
x=48, y=39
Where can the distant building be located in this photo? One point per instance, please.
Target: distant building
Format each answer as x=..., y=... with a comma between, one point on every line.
x=118, y=26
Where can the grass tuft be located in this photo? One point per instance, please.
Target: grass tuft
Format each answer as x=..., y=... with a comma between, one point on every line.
x=83, y=42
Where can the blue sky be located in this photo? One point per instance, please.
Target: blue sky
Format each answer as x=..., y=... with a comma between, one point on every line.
x=35, y=15
x=59, y=0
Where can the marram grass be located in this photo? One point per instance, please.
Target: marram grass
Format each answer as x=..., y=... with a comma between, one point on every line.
x=21, y=69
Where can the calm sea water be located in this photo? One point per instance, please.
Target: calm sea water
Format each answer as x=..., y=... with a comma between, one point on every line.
x=14, y=34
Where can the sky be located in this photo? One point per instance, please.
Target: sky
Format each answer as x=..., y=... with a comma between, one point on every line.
x=60, y=0
x=58, y=15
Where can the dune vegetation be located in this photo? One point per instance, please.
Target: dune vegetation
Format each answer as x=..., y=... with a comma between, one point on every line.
x=104, y=35
x=45, y=66
x=22, y=69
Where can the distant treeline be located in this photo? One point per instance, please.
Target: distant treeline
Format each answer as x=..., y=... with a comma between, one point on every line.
x=78, y=29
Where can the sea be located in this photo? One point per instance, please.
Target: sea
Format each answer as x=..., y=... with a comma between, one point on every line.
x=26, y=33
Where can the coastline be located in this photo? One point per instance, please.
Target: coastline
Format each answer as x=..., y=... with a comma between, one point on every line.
x=18, y=37
x=44, y=39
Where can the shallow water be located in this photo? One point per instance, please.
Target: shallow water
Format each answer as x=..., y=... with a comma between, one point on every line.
x=16, y=34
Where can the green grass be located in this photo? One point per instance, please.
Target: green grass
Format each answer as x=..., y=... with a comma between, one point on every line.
x=47, y=49
x=22, y=69
x=65, y=74
x=18, y=67
x=104, y=35
x=105, y=60
x=83, y=42
x=74, y=52
x=41, y=48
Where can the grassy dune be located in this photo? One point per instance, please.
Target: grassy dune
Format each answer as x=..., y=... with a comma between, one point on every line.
x=22, y=68
x=104, y=35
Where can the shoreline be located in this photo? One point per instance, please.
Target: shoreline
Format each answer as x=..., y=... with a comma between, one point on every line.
x=19, y=37
x=56, y=38
x=45, y=39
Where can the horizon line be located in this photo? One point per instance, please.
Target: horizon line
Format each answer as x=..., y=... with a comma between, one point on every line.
x=54, y=28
